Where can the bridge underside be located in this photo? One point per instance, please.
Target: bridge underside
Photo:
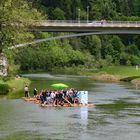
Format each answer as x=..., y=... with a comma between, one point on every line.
x=98, y=30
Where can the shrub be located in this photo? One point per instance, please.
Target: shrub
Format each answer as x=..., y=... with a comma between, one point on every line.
x=4, y=89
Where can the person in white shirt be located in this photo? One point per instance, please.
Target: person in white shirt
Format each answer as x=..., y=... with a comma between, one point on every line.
x=26, y=91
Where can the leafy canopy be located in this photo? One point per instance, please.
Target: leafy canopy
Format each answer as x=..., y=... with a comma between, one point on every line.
x=15, y=17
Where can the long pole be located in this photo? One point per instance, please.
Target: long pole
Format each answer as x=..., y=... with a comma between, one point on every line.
x=67, y=101
x=87, y=14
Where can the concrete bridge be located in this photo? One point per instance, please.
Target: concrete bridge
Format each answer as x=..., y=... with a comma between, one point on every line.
x=99, y=27
x=82, y=28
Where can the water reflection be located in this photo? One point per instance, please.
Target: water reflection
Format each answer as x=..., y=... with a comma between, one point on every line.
x=84, y=115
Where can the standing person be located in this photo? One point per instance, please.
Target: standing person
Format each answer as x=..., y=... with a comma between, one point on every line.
x=52, y=95
x=26, y=91
x=35, y=92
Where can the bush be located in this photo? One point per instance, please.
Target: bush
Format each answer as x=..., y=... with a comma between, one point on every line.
x=4, y=89
x=135, y=60
x=7, y=78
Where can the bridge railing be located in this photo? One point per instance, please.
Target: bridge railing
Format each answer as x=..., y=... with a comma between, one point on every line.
x=101, y=23
x=90, y=21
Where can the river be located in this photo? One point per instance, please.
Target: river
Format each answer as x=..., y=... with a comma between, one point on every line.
x=116, y=115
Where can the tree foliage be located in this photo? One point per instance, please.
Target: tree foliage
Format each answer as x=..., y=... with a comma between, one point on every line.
x=88, y=51
x=15, y=18
x=58, y=14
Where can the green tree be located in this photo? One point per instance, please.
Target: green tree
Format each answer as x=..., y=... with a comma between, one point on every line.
x=118, y=48
x=15, y=18
x=102, y=9
x=94, y=45
x=135, y=60
x=58, y=14
x=133, y=49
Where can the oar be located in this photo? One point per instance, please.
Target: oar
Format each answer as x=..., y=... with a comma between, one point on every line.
x=67, y=101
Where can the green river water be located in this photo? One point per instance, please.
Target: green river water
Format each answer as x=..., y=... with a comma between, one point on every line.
x=116, y=115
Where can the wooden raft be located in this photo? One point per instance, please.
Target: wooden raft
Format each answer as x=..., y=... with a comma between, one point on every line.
x=33, y=100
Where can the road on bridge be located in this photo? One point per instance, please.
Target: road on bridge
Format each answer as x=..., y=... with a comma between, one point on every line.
x=108, y=27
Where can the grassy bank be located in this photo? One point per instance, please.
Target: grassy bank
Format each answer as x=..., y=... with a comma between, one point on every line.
x=121, y=70
x=110, y=73
x=118, y=73
x=16, y=87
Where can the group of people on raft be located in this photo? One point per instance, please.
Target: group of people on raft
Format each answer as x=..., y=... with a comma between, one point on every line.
x=55, y=97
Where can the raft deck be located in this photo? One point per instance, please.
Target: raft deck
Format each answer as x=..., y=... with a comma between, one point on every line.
x=35, y=101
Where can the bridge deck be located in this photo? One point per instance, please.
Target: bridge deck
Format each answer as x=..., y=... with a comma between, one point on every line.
x=91, y=26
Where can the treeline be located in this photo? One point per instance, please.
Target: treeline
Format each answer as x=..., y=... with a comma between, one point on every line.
x=89, y=51
x=98, y=9
x=53, y=54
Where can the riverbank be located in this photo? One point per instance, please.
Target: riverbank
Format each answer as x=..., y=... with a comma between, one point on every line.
x=118, y=73
x=16, y=86
x=109, y=73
